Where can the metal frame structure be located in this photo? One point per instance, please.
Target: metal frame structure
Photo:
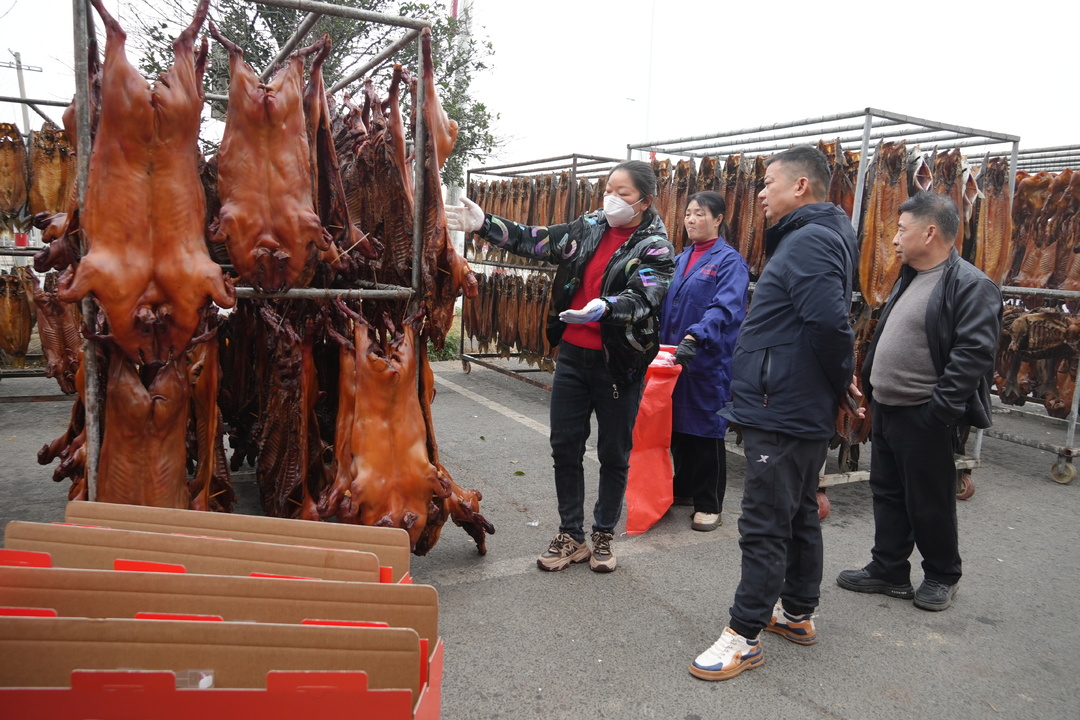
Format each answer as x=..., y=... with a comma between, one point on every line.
x=1052, y=159
x=579, y=166
x=861, y=126
x=82, y=29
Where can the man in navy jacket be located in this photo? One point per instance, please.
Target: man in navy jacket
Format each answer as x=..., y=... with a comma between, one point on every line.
x=793, y=364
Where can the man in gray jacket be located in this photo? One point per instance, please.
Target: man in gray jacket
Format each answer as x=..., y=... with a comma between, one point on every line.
x=927, y=370
x=793, y=363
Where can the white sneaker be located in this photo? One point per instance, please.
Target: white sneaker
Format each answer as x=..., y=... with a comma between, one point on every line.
x=728, y=657
x=798, y=629
x=706, y=521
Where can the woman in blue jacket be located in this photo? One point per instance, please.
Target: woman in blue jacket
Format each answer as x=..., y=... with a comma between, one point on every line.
x=702, y=312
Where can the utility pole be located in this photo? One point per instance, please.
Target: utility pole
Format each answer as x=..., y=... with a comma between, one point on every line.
x=19, y=67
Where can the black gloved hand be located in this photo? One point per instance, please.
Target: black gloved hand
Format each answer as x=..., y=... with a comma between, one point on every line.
x=686, y=351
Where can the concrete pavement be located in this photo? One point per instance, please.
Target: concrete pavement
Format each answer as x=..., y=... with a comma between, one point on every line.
x=521, y=643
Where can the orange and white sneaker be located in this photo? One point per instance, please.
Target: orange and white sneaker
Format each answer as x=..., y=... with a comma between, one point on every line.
x=728, y=657
x=798, y=629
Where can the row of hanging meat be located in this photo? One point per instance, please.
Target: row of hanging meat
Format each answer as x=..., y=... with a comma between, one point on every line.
x=329, y=401
x=35, y=179
x=980, y=191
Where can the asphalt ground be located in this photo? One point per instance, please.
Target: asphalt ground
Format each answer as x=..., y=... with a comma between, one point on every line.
x=522, y=643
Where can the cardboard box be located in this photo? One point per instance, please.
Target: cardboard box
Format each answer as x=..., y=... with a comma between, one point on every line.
x=390, y=545
x=44, y=652
x=109, y=594
x=91, y=547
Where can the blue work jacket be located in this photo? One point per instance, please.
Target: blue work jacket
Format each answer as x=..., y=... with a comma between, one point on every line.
x=709, y=303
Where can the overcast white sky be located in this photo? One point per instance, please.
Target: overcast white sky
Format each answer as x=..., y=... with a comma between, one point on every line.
x=590, y=76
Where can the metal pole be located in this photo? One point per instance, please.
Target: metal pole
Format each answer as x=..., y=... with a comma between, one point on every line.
x=375, y=61
x=864, y=165
x=747, y=131
x=26, y=101
x=419, y=158
x=22, y=91
x=347, y=12
x=291, y=43
x=388, y=293
x=93, y=395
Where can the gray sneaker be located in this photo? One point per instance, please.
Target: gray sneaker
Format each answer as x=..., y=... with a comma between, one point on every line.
x=603, y=559
x=563, y=551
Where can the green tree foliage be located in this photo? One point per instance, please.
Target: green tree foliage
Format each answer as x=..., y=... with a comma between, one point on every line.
x=261, y=30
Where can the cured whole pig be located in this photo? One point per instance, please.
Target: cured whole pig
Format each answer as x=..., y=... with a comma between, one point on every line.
x=211, y=487
x=70, y=447
x=879, y=265
x=389, y=475
x=52, y=170
x=445, y=275
x=379, y=183
x=58, y=328
x=16, y=317
x=143, y=454
x=268, y=219
x=290, y=452
x=147, y=266
x=330, y=200
x=12, y=176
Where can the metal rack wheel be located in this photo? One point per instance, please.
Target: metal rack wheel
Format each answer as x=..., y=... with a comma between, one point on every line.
x=1063, y=471
x=965, y=485
x=823, y=505
x=466, y=366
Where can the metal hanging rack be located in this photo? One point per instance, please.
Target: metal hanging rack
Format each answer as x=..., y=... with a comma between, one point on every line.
x=1052, y=159
x=82, y=30
x=578, y=165
x=862, y=127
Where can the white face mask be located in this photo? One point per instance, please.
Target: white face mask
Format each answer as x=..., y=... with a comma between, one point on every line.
x=617, y=211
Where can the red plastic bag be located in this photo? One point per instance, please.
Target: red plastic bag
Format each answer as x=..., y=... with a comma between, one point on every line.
x=648, y=486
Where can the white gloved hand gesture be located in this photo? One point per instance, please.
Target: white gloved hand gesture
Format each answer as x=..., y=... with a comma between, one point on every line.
x=468, y=218
x=593, y=311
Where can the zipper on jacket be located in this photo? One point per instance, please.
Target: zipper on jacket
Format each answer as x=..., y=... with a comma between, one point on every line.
x=766, y=366
x=614, y=391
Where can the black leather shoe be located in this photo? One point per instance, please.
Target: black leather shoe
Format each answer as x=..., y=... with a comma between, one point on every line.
x=934, y=596
x=862, y=581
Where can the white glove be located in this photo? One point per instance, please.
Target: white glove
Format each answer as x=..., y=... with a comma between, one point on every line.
x=593, y=311
x=468, y=218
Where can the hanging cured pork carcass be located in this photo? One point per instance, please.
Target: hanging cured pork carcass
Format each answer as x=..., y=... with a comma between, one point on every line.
x=148, y=266
x=879, y=265
x=13, y=183
x=52, y=170
x=143, y=452
x=387, y=471
x=70, y=447
x=994, y=221
x=1031, y=261
x=1062, y=210
x=707, y=177
x=949, y=180
x=58, y=328
x=329, y=193
x=268, y=219
x=730, y=191
x=16, y=317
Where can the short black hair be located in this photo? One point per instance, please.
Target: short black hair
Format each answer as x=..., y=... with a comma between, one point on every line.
x=641, y=174
x=937, y=209
x=809, y=162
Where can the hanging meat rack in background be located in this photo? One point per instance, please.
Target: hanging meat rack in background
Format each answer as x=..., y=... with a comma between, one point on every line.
x=508, y=318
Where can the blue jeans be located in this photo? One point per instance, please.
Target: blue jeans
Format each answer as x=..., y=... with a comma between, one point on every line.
x=581, y=386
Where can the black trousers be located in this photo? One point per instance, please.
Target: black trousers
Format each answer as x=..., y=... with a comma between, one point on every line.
x=700, y=470
x=913, y=479
x=780, y=533
x=580, y=387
